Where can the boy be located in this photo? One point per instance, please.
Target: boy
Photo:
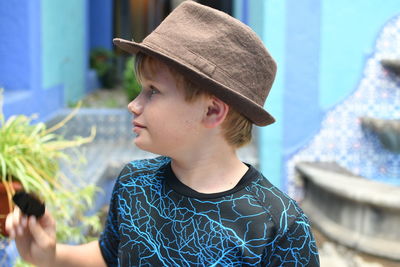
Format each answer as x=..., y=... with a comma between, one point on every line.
x=205, y=77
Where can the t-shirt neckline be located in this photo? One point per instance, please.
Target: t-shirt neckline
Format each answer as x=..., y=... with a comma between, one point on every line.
x=179, y=187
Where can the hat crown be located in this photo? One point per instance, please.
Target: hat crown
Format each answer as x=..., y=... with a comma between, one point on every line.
x=233, y=54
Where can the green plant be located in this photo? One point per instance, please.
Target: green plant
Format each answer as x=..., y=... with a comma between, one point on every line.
x=31, y=154
x=130, y=84
x=103, y=61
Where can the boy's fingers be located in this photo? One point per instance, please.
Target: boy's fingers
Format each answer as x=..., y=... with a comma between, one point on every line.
x=48, y=224
x=24, y=221
x=46, y=220
x=9, y=225
x=18, y=227
x=13, y=222
x=37, y=231
x=16, y=216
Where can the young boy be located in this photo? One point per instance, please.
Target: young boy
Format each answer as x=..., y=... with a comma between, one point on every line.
x=205, y=77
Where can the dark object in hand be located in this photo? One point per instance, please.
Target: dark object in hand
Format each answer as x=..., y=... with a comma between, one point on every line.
x=29, y=204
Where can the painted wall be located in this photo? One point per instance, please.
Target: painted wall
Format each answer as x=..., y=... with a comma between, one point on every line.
x=13, y=47
x=101, y=22
x=261, y=19
x=356, y=25
x=44, y=51
x=321, y=47
x=39, y=38
x=64, y=48
x=20, y=53
x=270, y=138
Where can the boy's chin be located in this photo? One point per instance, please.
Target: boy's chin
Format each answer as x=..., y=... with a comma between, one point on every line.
x=143, y=146
x=139, y=144
x=153, y=150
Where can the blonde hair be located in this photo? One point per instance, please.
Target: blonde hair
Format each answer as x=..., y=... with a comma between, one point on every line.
x=237, y=129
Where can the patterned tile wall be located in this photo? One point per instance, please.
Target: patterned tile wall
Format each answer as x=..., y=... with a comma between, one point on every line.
x=341, y=138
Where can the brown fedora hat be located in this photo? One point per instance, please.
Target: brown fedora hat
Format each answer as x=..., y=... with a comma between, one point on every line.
x=216, y=51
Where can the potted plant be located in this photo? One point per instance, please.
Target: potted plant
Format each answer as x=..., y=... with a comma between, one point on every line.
x=30, y=156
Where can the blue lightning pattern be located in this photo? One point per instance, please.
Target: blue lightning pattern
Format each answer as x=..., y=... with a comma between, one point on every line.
x=155, y=221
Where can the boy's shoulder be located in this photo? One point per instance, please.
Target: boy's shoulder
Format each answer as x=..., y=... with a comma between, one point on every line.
x=280, y=206
x=145, y=168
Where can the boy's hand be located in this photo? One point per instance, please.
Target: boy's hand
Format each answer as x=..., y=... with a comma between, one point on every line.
x=35, y=238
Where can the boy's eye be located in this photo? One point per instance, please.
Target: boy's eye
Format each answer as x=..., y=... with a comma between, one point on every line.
x=153, y=91
x=149, y=91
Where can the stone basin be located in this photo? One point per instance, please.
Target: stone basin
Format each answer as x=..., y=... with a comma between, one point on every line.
x=387, y=131
x=354, y=211
x=392, y=65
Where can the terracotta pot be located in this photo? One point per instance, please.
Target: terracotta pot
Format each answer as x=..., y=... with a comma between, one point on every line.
x=4, y=205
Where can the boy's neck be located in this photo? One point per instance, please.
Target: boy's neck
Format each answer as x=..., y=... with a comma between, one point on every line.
x=210, y=172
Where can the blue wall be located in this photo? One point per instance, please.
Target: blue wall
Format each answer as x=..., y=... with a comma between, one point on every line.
x=13, y=47
x=270, y=138
x=101, y=21
x=64, y=47
x=20, y=51
x=301, y=111
x=348, y=33
x=320, y=47
x=44, y=51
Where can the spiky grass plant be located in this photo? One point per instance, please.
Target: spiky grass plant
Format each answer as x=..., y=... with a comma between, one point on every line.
x=31, y=154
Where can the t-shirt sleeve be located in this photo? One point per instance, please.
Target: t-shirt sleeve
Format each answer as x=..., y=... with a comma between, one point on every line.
x=296, y=246
x=110, y=239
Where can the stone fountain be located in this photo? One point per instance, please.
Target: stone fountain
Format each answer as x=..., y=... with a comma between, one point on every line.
x=357, y=212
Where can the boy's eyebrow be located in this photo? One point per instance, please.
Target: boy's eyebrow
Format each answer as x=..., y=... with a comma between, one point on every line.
x=149, y=80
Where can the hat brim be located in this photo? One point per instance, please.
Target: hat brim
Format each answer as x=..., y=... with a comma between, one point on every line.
x=254, y=112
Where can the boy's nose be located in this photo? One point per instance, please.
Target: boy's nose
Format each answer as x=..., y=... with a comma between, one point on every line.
x=135, y=106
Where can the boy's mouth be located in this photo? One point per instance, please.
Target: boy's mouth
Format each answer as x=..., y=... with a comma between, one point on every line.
x=137, y=126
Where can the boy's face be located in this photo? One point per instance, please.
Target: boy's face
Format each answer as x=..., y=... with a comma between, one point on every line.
x=164, y=122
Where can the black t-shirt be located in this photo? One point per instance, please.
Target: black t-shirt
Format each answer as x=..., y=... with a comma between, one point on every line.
x=155, y=220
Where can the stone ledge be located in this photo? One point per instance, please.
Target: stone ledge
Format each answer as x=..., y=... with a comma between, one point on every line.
x=334, y=231
x=351, y=186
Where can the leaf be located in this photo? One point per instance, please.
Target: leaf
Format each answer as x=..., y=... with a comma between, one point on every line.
x=3, y=167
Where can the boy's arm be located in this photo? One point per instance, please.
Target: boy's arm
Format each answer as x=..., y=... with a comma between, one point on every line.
x=82, y=255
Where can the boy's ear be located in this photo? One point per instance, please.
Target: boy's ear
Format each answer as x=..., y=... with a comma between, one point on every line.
x=216, y=112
